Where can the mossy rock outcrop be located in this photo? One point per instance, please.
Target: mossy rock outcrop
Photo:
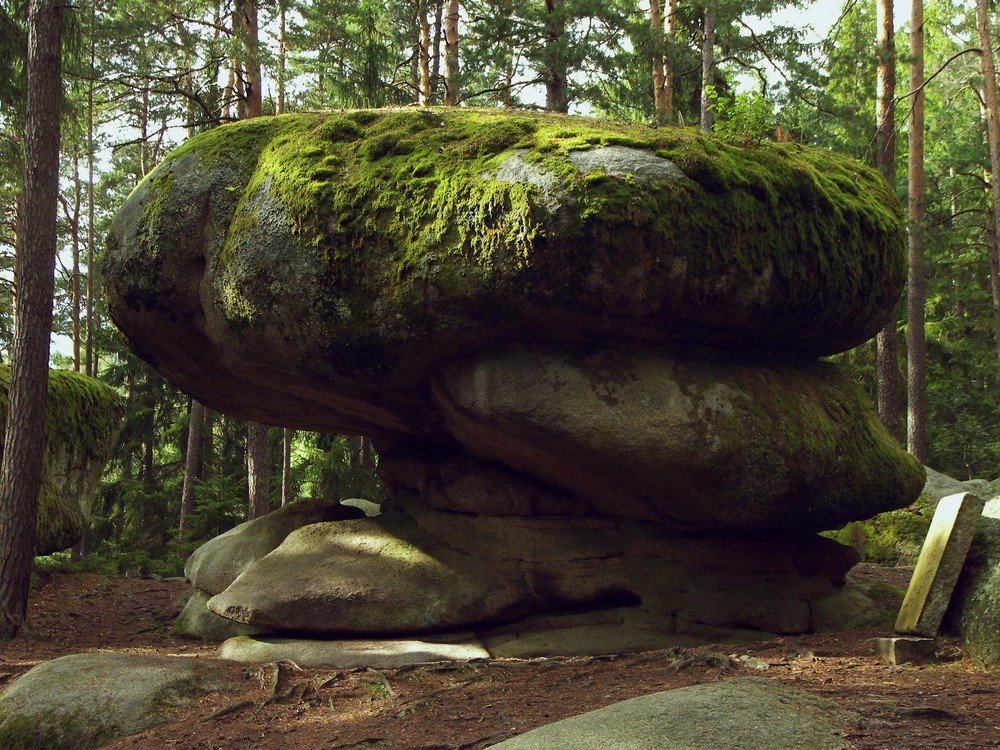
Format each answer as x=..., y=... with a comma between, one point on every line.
x=82, y=421
x=586, y=353
x=354, y=253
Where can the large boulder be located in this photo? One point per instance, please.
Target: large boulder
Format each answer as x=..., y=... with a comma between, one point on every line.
x=586, y=352
x=746, y=714
x=314, y=270
x=974, y=611
x=83, y=701
x=82, y=421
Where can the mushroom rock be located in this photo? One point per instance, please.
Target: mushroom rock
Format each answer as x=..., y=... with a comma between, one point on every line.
x=584, y=349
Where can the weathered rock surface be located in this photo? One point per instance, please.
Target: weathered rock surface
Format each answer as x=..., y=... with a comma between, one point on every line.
x=398, y=574
x=752, y=713
x=82, y=421
x=220, y=561
x=647, y=435
x=586, y=353
x=86, y=700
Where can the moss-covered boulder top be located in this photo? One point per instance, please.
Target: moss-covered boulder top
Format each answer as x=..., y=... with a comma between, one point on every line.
x=376, y=245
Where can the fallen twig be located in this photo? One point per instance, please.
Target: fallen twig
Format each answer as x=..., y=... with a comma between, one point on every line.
x=228, y=710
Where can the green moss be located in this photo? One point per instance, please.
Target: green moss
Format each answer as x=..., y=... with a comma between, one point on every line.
x=82, y=420
x=892, y=538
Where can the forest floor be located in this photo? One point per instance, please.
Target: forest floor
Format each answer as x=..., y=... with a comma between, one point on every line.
x=953, y=703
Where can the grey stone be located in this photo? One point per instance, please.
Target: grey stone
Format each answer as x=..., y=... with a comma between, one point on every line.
x=219, y=561
x=622, y=161
x=751, y=713
x=86, y=700
x=974, y=613
x=906, y=650
x=351, y=654
x=361, y=577
x=198, y=622
x=651, y=436
x=939, y=565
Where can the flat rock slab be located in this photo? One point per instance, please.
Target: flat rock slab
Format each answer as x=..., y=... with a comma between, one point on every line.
x=746, y=714
x=351, y=654
x=906, y=650
x=87, y=700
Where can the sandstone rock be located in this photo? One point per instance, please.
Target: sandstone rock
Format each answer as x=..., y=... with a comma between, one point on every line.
x=86, y=700
x=645, y=435
x=234, y=268
x=381, y=654
x=751, y=713
x=82, y=421
x=218, y=562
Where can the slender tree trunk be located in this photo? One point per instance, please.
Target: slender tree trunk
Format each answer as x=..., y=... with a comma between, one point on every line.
x=245, y=23
x=258, y=470
x=993, y=245
x=425, y=49
x=76, y=304
x=451, y=71
x=660, y=106
x=916, y=345
x=286, y=466
x=668, y=72
x=887, y=340
x=992, y=126
x=91, y=85
x=556, y=77
x=21, y=464
x=436, y=46
x=282, y=20
x=192, y=467
x=707, y=66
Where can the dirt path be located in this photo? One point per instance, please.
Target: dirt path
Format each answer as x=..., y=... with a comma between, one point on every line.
x=953, y=704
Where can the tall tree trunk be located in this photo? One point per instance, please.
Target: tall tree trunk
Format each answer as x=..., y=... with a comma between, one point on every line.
x=192, y=467
x=993, y=246
x=424, y=97
x=245, y=23
x=556, y=77
x=21, y=464
x=707, y=65
x=258, y=470
x=668, y=72
x=75, y=303
x=887, y=340
x=660, y=106
x=282, y=20
x=436, y=46
x=451, y=70
x=91, y=85
x=992, y=124
x=916, y=344
x=286, y=465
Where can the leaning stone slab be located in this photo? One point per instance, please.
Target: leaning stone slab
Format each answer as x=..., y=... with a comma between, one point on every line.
x=749, y=714
x=939, y=565
x=351, y=654
x=87, y=700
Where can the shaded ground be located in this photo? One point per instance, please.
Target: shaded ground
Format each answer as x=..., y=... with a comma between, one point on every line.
x=952, y=704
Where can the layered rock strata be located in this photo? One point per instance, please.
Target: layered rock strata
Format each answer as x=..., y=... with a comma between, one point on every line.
x=586, y=351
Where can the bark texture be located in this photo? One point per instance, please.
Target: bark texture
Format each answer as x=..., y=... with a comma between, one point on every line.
x=21, y=465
